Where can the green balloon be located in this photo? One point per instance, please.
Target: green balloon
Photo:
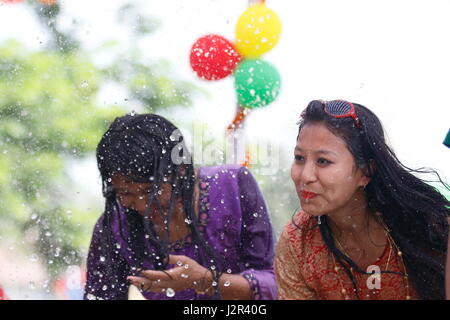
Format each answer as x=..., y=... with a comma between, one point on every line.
x=257, y=83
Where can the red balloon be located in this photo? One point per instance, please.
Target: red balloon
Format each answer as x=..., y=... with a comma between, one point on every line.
x=213, y=57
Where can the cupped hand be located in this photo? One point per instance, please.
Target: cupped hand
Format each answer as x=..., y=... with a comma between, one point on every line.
x=187, y=274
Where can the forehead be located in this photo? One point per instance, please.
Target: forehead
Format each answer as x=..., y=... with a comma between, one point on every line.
x=316, y=137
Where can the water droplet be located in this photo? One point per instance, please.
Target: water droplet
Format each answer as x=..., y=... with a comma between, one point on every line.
x=228, y=270
x=170, y=292
x=213, y=267
x=255, y=214
x=48, y=234
x=34, y=216
x=84, y=84
x=179, y=263
x=227, y=284
x=214, y=284
x=187, y=221
x=102, y=259
x=185, y=276
x=186, y=266
x=105, y=287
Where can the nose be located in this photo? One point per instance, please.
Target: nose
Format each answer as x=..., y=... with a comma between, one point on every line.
x=307, y=173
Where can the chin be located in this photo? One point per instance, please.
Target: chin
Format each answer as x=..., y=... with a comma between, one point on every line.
x=311, y=209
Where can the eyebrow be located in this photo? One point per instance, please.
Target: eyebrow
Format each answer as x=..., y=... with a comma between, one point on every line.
x=320, y=151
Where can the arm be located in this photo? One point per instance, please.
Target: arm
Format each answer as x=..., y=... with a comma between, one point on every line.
x=447, y=268
x=257, y=240
x=256, y=254
x=290, y=282
x=101, y=284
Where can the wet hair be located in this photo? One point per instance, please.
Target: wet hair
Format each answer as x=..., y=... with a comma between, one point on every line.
x=413, y=210
x=140, y=147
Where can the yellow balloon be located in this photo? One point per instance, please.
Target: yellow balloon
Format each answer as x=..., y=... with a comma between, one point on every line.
x=257, y=31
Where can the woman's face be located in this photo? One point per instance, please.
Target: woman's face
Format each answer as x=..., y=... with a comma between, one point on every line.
x=135, y=195
x=324, y=171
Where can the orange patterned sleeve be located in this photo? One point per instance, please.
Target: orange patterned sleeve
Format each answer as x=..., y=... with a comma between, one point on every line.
x=290, y=282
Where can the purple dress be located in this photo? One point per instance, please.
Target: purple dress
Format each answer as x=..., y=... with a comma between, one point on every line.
x=233, y=220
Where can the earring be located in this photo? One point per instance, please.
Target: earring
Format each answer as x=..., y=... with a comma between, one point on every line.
x=318, y=220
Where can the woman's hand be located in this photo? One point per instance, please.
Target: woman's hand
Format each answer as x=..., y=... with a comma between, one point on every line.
x=187, y=274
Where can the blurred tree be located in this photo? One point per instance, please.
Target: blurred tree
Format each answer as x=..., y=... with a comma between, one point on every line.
x=48, y=115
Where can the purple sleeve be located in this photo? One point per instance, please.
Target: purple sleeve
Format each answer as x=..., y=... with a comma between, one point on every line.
x=101, y=284
x=257, y=239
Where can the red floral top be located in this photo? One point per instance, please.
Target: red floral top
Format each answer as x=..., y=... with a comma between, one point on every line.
x=2, y=295
x=306, y=269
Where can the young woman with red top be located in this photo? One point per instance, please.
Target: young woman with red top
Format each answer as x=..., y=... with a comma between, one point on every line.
x=368, y=227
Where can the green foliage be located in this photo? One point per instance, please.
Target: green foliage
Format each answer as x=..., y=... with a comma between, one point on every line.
x=149, y=83
x=47, y=112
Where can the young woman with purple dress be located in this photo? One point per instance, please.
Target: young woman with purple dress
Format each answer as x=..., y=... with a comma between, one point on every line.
x=170, y=230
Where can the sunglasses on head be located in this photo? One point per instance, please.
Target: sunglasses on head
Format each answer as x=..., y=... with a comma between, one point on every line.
x=339, y=109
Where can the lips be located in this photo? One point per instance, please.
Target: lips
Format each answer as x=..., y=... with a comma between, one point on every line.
x=307, y=194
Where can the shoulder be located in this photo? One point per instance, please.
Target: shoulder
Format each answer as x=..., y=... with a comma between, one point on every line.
x=229, y=175
x=300, y=231
x=215, y=172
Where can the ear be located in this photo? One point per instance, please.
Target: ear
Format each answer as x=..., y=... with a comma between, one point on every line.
x=368, y=172
x=364, y=181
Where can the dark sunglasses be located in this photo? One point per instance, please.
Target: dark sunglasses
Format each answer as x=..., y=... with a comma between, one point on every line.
x=339, y=109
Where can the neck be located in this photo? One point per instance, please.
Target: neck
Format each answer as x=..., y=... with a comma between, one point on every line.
x=353, y=219
x=178, y=227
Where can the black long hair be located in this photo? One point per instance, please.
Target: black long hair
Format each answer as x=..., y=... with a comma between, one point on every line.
x=141, y=147
x=413, y=210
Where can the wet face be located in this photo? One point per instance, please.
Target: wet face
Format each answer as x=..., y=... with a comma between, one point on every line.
x=326, y=177
x=135, y=195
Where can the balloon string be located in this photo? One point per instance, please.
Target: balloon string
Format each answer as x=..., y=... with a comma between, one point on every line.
x=252, y=2
x=246, y=163
x=239, y=118
x=237, y=123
